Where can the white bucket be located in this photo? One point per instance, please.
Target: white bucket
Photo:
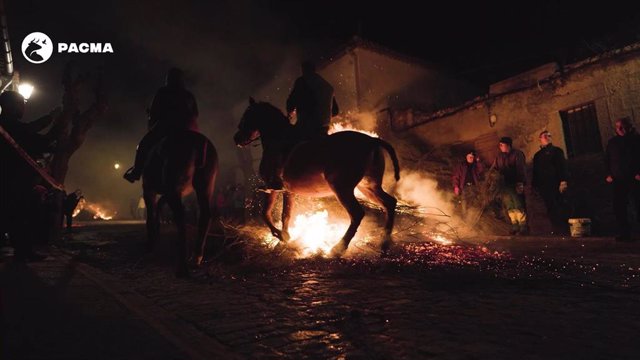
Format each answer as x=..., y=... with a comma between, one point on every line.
x=580, y=227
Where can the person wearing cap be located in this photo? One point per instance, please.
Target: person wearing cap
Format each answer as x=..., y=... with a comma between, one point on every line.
x=550, y=176
x=623, y=173
x=511, y=165
x=465, y=177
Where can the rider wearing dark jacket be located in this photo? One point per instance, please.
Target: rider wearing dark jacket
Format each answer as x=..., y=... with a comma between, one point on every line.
x=313, y=101
x=173, y=109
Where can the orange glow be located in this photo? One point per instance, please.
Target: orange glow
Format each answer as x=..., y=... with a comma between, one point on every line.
x=312, y=234
x=340, y=126
x=97, y=210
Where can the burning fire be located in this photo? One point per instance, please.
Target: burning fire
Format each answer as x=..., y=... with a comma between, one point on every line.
x=312, y=234
x=81, y=204
x=100, y=213
x=440, y=239
x=97, y=210
x=343, y=126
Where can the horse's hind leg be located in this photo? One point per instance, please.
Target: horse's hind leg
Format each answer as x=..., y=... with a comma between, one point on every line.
x=375, y=193
x=204, y=188
x=356, y=213
x=177, y=208
x=151, y=203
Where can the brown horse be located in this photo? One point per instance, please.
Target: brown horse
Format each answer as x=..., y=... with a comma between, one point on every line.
x=332, y=165
x=182, y=162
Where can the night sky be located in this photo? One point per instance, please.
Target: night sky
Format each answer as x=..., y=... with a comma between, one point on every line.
x=230, y=49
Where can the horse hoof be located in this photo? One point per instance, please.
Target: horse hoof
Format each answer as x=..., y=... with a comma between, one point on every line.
x=198, y=261
x=386, y=245
x=338, y=250
x=285, y=236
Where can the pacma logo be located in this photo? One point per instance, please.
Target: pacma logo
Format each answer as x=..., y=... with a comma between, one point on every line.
x=85, y=48
x=37, y=48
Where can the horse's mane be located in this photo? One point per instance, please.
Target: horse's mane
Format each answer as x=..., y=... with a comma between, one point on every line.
x=273, y=113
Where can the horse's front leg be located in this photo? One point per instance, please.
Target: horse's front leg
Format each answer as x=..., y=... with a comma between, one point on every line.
x=270, y=201
x=151, y=203
x=287, y=209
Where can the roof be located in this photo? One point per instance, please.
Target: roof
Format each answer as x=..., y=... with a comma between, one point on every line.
x=418, y=118
x=358, y=42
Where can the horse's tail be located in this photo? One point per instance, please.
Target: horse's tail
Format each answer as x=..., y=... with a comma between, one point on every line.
x=392, y=153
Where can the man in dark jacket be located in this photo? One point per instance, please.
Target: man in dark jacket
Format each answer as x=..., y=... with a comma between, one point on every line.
x=512, y=166
x=550, y=179
x=623, y=172
x=465, y=178
x=173, y=109
x=313, y=102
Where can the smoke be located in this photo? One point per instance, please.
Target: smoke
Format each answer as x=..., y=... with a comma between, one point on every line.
x=228, y=50
x=419, y=189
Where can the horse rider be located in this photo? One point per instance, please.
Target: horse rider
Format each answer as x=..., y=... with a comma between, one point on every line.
x=173, y=109
x=312, y=100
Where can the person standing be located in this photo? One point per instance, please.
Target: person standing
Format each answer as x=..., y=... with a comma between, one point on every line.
x=465, y=178
x=550, y=180
x=623, y=173
x=511, y=165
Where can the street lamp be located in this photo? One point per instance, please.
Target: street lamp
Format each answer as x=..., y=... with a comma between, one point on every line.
x=25, y=90
x=116, y=166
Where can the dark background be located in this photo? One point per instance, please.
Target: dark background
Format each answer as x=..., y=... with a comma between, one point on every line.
x=230, y=49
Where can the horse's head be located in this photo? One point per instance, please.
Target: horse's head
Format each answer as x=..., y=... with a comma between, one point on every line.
x=260, y=119
x=248, y=130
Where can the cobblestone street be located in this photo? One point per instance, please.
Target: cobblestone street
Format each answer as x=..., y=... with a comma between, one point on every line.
x=531, y=298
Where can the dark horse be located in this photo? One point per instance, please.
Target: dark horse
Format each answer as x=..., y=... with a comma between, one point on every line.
x=182, y=162
x=332, y=165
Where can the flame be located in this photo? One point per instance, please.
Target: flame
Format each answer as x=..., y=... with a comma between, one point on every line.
x=98, y=211
x=311, y=234
x=314, y=235
x=343, y=126
x=442, y=240
x=81, y=204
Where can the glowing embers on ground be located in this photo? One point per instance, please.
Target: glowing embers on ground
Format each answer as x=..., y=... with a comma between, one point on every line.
x=98, y=211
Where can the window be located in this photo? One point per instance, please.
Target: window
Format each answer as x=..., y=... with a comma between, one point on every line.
x=581, y=132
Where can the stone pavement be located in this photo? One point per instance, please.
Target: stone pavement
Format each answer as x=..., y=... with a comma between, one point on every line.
x=528, y=298
x=61, y=309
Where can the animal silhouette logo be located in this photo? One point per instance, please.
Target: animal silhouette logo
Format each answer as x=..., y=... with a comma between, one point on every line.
x=37, y=47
